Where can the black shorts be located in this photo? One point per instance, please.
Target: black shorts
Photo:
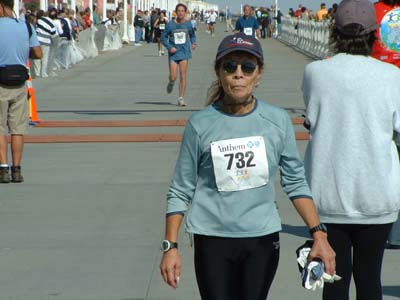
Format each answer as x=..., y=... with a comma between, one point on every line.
x=235, y=268
x=157, y=33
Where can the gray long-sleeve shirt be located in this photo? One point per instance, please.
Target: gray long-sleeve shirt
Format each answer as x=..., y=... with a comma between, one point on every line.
x=352, y=165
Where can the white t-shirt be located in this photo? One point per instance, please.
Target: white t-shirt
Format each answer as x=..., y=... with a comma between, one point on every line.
x=213, y=17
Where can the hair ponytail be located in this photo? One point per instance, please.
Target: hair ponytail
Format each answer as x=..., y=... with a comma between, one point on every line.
x=214, y=92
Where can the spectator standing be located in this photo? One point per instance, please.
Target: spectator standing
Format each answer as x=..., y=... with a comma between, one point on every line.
x=74, y=25
x=147, y=26
x=228, y=20
x=46, y=33
x=305, y=14
x=351, y=161
x=179, y=39
x=86, y=18
x=297, y=13
x=64, y=53
x=79, y=18
x=248, y=24
x=18, y=43
x=52, y=66
x=96, y=18
x=138, y=23
x=153, y=17
x=322, y=13
x=278, y=19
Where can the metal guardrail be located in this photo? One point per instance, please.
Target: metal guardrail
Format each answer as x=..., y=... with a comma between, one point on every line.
x=308, y=37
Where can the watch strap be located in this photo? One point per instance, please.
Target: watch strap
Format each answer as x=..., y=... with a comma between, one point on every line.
x=319, y=227
x=167, y=245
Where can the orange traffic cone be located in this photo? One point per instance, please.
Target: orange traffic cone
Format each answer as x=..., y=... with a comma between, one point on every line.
x=33, y=115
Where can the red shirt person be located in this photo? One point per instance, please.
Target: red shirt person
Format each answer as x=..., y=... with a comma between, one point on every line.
x=387, y=45
x=86, y=18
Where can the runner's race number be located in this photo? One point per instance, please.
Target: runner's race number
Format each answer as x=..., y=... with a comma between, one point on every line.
x=240, y=164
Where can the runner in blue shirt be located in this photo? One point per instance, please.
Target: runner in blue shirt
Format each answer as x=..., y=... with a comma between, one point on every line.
x=179, y=39
x=248, y=24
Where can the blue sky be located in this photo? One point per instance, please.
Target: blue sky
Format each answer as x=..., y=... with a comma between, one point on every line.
x=284, y=4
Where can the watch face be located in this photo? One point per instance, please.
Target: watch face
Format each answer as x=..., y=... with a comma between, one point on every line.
x=165, y=245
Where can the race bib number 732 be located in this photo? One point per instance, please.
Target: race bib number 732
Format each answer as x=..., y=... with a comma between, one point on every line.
x=240, y=164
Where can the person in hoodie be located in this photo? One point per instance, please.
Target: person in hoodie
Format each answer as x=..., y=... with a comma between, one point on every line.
x=351, y=161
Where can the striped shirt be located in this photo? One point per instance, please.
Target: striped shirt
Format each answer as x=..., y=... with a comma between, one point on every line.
x=46, y=30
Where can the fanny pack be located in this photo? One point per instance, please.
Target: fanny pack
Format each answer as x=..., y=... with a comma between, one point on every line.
x=13, y=75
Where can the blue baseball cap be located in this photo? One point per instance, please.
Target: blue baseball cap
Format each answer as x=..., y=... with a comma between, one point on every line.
x=240, y=42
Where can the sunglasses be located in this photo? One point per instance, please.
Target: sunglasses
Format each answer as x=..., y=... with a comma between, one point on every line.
x=247, y=67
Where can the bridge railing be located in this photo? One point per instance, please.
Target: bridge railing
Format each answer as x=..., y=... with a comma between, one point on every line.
x=309, y=37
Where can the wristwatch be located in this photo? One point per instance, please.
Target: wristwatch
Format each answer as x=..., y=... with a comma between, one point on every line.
x=168, y=245
x=320, y=227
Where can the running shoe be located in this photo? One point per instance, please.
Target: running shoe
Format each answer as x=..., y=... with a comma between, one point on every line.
x=159, y=53
x=181, y=102
x=4, y=175
x=170, y=87
x=16, y=175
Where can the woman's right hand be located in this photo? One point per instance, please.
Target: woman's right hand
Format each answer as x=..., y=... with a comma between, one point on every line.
x=170, y=267
x=172, y=50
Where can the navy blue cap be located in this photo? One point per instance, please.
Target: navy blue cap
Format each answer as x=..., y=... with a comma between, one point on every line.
x=240, y=42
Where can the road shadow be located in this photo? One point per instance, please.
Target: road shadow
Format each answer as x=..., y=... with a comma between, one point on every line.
x=295, y=110
x=155, y=103
x=391, y=290
x=300, y=231
x=116, y=112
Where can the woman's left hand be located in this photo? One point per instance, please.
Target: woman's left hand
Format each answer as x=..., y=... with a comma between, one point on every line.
x=322, y=250
x=170, y=267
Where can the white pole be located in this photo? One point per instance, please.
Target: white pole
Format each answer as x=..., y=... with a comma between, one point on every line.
x=43, y=5
x=133, y=35
x=241, y=9
x=125, y=38
x=104, y=10
x=73, y=6
x=116, y=4
x=91, y=9
x=276, y=18
x=16, y=8
x=133, y=10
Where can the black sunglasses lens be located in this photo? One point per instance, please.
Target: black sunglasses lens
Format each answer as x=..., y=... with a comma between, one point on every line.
x=248, y=67
x=230, y=66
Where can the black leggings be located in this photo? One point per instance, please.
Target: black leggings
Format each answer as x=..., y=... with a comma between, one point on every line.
x=235, y=268
x=368, y=244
